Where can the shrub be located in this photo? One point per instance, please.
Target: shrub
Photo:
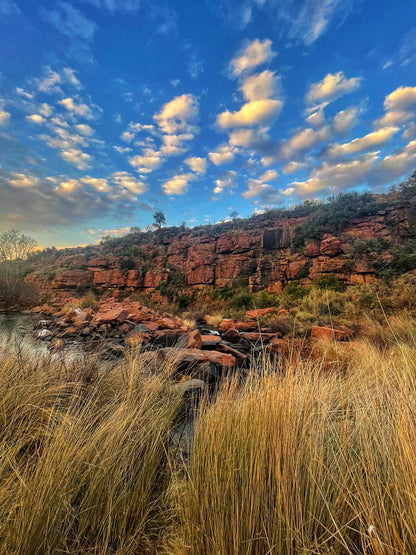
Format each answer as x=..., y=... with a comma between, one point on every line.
x=295, y=291
x=183, y=301
x=330, y=282
x=243, y=299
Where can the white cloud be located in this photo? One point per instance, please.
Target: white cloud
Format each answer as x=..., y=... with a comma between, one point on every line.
x=257, y=189
x=36, y=118
x=316, y=119
x=332, y=87
x=401, y=99
x=79, y=109
x=197, y=165
x=226, y=180
x=269, y=175
x=254, y=54
x=178, y=115
x=256, y=112
x=223, y=154
x=396, y=165
x=345, y=120
x=52, y=80
x=149, y=160
x=263, y=85
x=336, y=177
x=304, y=140
x=21, y=180
x=372, y=140
x=77, y=157
x=99, y=184
x=127, y=181
x=293, y=167
x=84, y=129
x=23, y=93
x=4, y=117
x=178, y=184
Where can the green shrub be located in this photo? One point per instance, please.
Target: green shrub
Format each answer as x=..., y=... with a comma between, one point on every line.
x=295, y=291
x=330, y=282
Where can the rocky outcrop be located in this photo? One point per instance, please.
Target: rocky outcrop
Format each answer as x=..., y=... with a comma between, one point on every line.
x=260, y=257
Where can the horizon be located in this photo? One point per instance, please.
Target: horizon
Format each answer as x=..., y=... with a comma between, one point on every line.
x=111, y=110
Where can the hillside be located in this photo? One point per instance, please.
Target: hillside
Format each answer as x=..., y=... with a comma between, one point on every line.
x=354, y=237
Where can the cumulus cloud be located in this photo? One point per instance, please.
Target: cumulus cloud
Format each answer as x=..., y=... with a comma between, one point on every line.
x=77, y=157
x=84, y=129
x=178, y=184
x=254, y=54
x=179, y=115
x=256, y=112
x=269, y=175
x=372, y=140
x=401, y=99
x=150, y=159
x=80, y=109
x=336, y=177
x=263, y=85
x=36, y=118
x=316, y=119
x=99, y=184
x=127, y=181
x=345, y=120
x=62, y=200
x=197, y=165
x=304, y=140
x=293, y=167
x=259, y=190
x=4, y=116
x=226, y=180
x=332, y=86
x=223, y=154
x=395, y=166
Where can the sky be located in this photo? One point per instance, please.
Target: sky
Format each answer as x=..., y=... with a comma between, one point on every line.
x=111, y=110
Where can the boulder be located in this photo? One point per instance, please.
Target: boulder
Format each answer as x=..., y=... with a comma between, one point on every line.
x=116, y=315
x=342, y=333
x=330, y=245
x=259, y=312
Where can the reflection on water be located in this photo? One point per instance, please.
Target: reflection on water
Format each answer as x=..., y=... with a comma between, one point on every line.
x=18, y=327
x=15, y=326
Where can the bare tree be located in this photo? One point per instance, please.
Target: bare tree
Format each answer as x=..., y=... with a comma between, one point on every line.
x=14, y=248
x=14, y=245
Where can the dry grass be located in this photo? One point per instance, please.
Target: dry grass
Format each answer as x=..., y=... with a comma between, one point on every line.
x=83, y=457
x=307, y=461
x=318, y=457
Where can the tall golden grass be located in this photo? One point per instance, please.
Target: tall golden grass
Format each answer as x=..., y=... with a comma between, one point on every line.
x=307, y=461
x=315, y=456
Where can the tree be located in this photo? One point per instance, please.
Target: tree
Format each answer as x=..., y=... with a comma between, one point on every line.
x=14, y=248
x=14, y=245
x=234, y=215
x=159, y=219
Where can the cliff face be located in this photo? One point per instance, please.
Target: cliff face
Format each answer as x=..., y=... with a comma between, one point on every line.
x=260, y=257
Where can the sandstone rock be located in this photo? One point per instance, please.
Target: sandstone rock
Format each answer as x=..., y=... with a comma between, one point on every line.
x=259, y=312
x=330, y=245
x=116, y=315
x=73, y=278
x=326, y=332
x=210, y=341
x=193, y=340
x=232, y=335
x=311, y=250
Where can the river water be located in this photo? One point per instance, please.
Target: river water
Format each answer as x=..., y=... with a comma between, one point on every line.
x=18, y=327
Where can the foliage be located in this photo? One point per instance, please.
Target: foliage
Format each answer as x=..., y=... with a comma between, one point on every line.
x=159, y=218
x=242, y=299
x=368, y=246
x=294, y=290
x=334, y=215
x=330, y=282
x=173, y=284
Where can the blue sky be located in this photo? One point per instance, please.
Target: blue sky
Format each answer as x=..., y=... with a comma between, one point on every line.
x=112, y=109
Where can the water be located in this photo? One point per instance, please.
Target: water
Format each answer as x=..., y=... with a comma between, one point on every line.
x=18, y=327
